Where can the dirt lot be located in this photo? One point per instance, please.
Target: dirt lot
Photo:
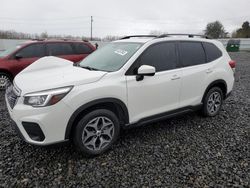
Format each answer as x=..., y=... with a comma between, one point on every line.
x=184, y=151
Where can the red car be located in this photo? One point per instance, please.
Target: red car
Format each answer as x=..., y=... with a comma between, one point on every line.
x=14, y=60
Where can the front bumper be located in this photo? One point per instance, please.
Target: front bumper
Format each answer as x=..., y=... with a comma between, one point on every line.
x=52, y=121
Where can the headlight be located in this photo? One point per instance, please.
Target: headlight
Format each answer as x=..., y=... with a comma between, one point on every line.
x=47, y=97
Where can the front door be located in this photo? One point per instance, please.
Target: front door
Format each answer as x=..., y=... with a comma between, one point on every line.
x=26, y=56
x=154, y=94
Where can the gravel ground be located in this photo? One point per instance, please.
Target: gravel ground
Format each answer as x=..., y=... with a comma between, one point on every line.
x=186, y=151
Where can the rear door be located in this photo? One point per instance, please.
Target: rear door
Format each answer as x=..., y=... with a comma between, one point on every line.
x=26, y=56
x=194, y=72
x=154, y=94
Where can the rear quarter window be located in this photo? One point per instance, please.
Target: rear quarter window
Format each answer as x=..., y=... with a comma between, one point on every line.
x=81, y=48
x=212, y=51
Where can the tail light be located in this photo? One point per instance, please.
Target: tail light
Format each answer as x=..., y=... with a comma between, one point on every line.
x=232, y=64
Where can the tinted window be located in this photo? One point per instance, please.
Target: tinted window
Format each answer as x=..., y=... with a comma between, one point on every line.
x=82, y=48
x=191, y=53
x=162, y=56
x=34, y=50
x=212, y=51
x=56, y=49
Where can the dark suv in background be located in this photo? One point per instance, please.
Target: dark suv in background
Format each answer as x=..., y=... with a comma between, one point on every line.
x=14, y=60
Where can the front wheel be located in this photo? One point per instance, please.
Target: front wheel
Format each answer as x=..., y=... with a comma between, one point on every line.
x=212, y=102
x=4, y=80
x=96, y=132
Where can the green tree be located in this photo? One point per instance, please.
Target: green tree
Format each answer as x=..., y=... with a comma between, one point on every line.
x=244, y=31
x=44, y=35
x=215, y=30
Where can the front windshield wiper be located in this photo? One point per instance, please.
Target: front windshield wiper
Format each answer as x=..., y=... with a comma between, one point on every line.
x=89, y=68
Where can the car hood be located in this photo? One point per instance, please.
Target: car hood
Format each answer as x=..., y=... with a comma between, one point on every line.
x=53, y=72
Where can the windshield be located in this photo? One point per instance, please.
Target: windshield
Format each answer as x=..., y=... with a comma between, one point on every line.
x=9, y=51
x=111, y=57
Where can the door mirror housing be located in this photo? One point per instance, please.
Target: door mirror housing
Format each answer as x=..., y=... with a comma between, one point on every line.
x=145, y=70
x=18, y=56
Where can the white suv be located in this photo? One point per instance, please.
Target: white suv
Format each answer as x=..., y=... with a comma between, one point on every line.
x=133, y=81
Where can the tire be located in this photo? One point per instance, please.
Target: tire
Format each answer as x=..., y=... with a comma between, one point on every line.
x=4, y=80
x=212, y=102
x=96, y=132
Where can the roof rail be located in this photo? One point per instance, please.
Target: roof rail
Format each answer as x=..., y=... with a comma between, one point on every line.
x=37, y=39
x=59, y=39
x=133, y=36
x=180, y=34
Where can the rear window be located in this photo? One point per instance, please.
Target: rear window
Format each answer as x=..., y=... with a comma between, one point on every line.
x=191, y=53
x=81, y=48
x=56, y=49
x=212, y=51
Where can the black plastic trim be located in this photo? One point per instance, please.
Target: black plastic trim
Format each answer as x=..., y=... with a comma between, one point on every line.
x=164, y=115
x=20, y=135
x=183, y=34
x=93, y=103
x=34, y=131
x=133, y=36
x=214, y=83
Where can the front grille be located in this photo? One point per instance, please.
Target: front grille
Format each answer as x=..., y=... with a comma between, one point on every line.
x=12, y=96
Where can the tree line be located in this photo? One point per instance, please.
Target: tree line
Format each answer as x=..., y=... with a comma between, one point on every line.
x=214, y=30
x=11, y=34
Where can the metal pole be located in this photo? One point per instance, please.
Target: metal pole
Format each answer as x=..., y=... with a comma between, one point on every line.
x=91, y=29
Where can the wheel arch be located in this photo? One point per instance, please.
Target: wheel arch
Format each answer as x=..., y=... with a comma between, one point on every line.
x=217, y=83
x=112, y=104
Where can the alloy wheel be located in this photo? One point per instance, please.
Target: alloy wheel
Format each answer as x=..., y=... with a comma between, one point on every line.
x=98, y=133
x=214, y=103
x=4, y=80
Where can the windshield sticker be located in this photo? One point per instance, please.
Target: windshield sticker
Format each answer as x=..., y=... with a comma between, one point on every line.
x=121, y=52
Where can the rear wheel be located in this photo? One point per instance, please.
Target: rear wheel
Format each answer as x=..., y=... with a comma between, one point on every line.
x=96, y=132
x=4, y=80
x=212, y=102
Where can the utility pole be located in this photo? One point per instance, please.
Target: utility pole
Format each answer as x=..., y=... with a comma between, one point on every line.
x=91, y=29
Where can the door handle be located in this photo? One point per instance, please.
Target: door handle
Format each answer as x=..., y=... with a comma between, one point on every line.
x=209, y=71
x=175, y=77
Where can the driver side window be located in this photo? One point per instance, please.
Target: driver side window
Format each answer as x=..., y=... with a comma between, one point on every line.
x=34, y=50
x=162, y=56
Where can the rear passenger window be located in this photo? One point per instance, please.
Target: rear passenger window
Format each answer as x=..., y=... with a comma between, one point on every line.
x=34, y=50
x=162, y=56
x=212, y=51
x=56, y=49
x=82, y=48
x=191, y=53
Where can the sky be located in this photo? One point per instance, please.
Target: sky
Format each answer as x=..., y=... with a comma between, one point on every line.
x=120, y=17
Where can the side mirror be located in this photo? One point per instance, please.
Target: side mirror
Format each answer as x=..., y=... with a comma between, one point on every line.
x=145, y=70
x=18, y=56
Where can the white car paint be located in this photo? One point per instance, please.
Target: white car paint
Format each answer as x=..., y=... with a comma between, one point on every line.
x=165, y=91
x=53, y=72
